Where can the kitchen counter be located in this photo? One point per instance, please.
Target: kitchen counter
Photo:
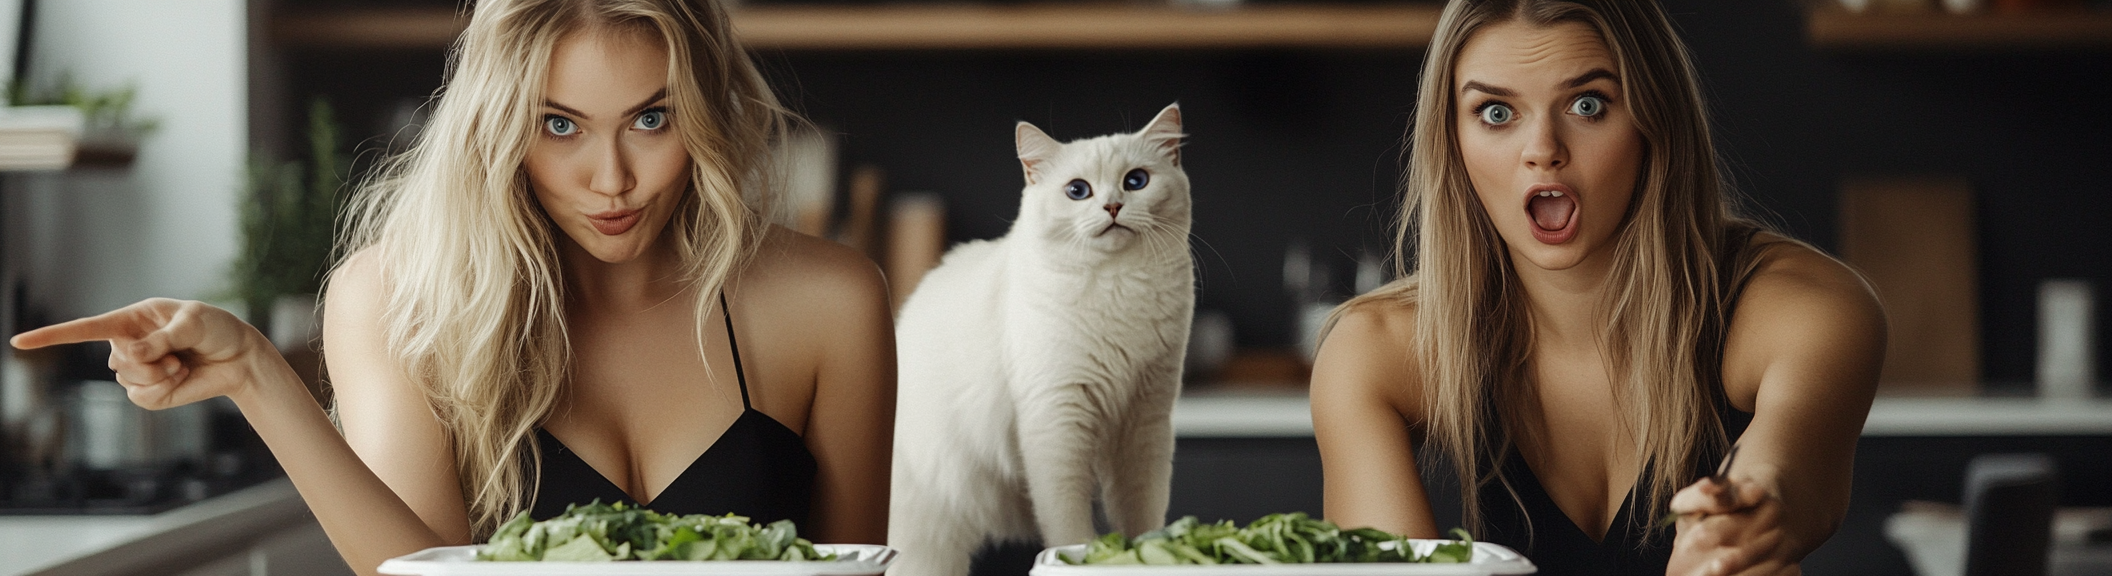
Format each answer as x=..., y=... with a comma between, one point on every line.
x=1208, y=413
x=1263, y=433
x=1246, y=451
x=256, y=530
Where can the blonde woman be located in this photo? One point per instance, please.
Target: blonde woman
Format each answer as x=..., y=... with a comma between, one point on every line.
x=1588, y=327
x=567, y=290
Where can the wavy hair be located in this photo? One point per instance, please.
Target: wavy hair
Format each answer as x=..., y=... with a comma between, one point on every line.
x=474, y=293
x=1666, y=310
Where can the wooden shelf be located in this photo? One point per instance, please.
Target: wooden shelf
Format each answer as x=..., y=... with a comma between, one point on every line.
x=949, y=27
x=385, y=28
x=1835, y=29
x=1086, y=26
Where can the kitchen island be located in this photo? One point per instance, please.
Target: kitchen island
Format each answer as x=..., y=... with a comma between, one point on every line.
x=1244, y=452
x=257, y=531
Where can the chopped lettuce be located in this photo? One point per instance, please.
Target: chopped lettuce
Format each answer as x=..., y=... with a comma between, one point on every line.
x=603, y=533
x=1274, y=539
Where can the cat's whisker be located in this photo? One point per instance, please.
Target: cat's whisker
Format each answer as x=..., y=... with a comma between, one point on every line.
x=1195, y=256
x=1194, y=246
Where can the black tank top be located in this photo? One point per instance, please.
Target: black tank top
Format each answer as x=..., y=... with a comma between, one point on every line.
x=1533, y=525
x=757, y=468
x=1546, y=535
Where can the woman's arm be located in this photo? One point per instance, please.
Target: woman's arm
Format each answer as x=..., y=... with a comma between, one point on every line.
x=1364, y=391
x=170, y=353
x=386, y=419
x=1803, y=352
x=838, y=300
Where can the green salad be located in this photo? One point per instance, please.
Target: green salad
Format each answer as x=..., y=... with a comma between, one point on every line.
x=1274, y=539
x=603, y=533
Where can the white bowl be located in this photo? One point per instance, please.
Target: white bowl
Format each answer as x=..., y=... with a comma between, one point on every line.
x=854, y=560
x=1489, y=560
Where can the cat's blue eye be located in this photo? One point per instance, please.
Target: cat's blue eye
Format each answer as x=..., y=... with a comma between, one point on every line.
x=1588, y=106
x=1078, y=190
x=560, y=126
x=1496, y=114
x=1136, y=179
x=651, y=120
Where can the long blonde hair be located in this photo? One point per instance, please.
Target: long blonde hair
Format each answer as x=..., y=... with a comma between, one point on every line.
x=474, y=293
x=1666, y=309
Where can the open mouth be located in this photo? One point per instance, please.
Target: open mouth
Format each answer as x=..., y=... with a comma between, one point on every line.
x=1552, y=208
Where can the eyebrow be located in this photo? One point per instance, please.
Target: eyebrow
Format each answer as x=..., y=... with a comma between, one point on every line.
x=656, y=97
x=1580, y=80
x=1587, y=77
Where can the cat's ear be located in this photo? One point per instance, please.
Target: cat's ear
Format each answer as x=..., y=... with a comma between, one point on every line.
x=1164, y=133
x=1035, y=149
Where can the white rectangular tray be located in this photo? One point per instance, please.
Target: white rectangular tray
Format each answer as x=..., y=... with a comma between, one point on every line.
x=1489, y=560
x=855, y=560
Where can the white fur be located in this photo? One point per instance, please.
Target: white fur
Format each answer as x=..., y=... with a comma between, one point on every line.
x=1039, y=370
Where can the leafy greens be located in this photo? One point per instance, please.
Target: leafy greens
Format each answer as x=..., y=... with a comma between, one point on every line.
x=1274, y=539
x=602, y=533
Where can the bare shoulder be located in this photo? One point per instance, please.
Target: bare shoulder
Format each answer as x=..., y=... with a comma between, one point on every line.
x=1800, y=307
x=356, y=279
x=1369, y=353
x=795, y=267
x=1794, y=284
x=1367, y=323
x=354, y=303
x=354, y=297
x=815, y=286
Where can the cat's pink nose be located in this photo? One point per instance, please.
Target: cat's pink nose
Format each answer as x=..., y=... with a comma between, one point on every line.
x=1113, y=209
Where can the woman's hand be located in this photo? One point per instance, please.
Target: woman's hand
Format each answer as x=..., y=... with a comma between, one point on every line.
x=166, y=352
x=1733, y=527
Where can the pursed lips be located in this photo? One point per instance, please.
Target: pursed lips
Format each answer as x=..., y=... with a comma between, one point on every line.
x=614, y=222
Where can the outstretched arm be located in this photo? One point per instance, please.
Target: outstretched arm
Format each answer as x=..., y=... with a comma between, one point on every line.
x=168, y=353
x=1803, y=354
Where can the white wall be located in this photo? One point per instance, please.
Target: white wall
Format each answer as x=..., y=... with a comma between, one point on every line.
x=85, y=241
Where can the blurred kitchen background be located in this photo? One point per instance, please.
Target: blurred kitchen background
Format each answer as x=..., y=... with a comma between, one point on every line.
x=1955, y=150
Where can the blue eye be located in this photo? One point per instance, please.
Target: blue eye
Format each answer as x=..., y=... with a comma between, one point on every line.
x=1136, y=179
x=560, y=126
x=651, y=120
x=1496, y=114
x=1588, y=106
x=1078, y=190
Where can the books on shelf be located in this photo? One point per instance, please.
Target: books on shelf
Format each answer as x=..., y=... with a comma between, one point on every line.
x=39, y=137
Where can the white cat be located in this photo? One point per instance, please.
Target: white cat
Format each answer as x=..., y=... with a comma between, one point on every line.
x=1039, y=370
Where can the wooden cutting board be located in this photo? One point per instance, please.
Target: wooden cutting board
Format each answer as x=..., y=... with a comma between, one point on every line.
x=1914, y=239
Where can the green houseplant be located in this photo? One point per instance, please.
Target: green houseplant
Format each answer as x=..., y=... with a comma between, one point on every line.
x=112, y=132
x=289, y=221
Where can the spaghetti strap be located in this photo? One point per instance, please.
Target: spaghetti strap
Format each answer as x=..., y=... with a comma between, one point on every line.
x=727, y=313
x=758, y=468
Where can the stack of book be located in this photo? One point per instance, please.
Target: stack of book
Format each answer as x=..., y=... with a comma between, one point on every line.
x=39, y=137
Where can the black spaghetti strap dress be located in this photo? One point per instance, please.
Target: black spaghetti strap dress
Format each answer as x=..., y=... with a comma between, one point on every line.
x=1534, y=526
x=757, y=468
x=1544, y=534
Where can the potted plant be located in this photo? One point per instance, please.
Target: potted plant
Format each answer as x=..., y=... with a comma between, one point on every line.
x=289, y=222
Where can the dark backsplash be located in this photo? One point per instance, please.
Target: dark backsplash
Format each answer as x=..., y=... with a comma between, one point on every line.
x=1304, y=145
